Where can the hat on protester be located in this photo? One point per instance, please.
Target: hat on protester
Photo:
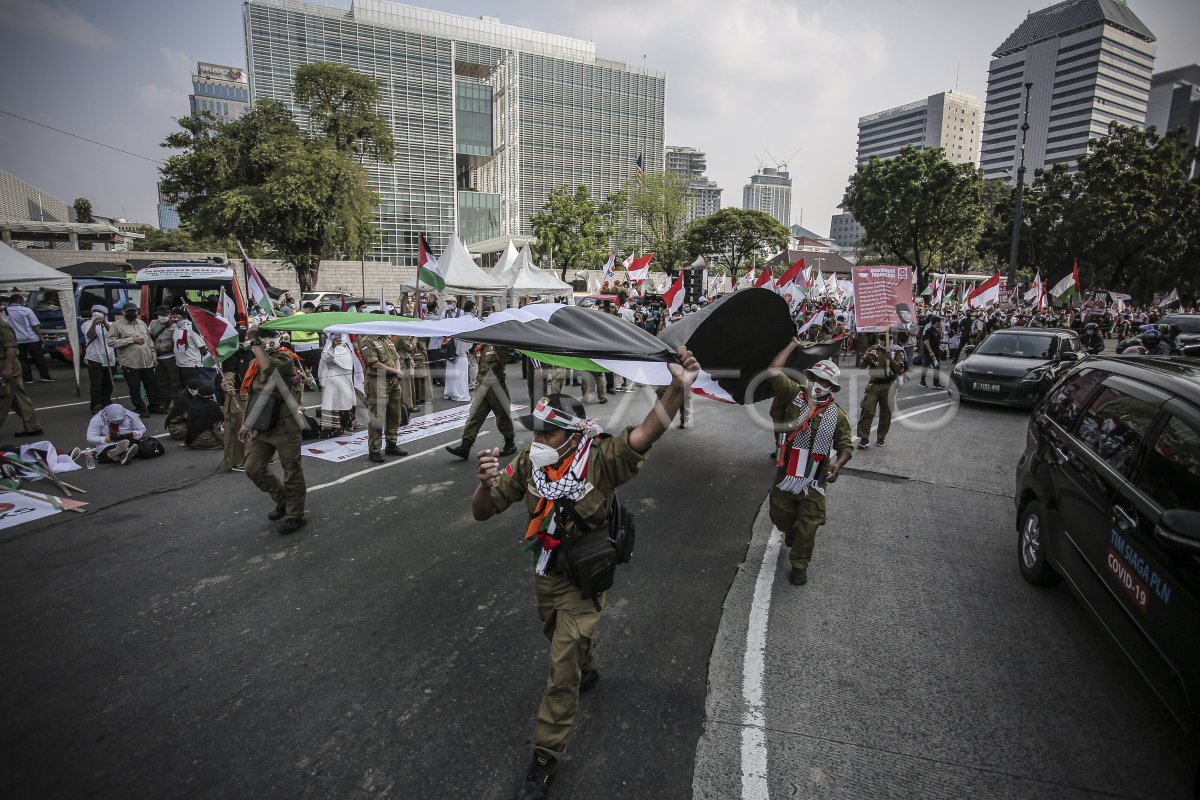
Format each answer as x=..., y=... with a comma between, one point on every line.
x=826, y=370
x=99, y=308
x=556, y=412
x=129, y=307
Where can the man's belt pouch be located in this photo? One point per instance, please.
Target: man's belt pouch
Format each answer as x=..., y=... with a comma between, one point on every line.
x=262, y=410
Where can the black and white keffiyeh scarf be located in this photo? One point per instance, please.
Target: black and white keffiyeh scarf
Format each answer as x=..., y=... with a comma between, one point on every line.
x=571, y=485
x=805, y=449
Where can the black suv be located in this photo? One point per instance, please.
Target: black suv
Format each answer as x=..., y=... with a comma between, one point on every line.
x=1108, y=497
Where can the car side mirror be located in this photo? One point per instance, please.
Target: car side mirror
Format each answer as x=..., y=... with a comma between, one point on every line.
x=968, y=350
x=1180, y=531
x=1068, y=356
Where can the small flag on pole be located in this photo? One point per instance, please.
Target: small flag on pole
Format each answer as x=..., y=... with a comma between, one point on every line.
x=257, y=287
x=428, y=270
x=219, y=336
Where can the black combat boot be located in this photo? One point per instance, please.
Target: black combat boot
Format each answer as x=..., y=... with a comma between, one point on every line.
x=510, y=447
x=538, y=778
x=462, y=449
x=393, y=449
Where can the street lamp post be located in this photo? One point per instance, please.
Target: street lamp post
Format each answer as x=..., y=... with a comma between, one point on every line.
x=1020, y=196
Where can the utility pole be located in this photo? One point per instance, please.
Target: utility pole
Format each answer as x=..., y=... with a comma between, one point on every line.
x=1018, y=220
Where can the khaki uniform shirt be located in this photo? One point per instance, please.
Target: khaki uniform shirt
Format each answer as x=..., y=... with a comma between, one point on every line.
x=785, y=387
x=8, y=338
x=495, y=359
x=285, y=368
x=378, y=349
x=129, y=354
x=611, y=463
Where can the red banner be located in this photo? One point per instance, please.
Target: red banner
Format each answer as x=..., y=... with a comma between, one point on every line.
x=883, y=298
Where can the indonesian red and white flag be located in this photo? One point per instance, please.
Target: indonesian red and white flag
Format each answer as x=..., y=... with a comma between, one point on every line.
x=939, y=291
x=639, y=268
x=766, y=279
x=790, y=274
x=817, y=319
x=673, y=297
x=985, y=294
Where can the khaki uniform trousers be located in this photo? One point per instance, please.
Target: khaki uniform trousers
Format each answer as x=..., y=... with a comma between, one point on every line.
x=558, y=376
x=883, y=397
x=570, y=622
x=283, y=441
x=14, y=398
x=385, y=412
x=798, y=516
x=420, y=376
x=490, y=398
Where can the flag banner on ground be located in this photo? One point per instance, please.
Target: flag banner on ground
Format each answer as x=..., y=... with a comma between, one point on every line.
x=674, y=296
x=219, y=336
x=355, y=445
x=883, y=298
x=260, y=298
x=741, y=334
x=985, y=294
x=428, y=270
x=18, y=507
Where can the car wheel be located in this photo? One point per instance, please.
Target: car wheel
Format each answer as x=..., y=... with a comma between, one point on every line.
x=1031, y=546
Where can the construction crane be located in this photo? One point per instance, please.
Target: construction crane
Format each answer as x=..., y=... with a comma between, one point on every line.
x=782, y=165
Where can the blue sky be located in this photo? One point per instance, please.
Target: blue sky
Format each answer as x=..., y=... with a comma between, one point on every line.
x=744, y=77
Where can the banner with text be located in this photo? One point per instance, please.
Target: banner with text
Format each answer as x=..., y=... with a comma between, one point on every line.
x=883, y=298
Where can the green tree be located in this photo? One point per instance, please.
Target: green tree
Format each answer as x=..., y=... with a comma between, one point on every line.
x=341, y=106
x=731, y=237
x=83, y=210
x=919, y=208
x=574, y=231
x=658, y=207
x=179, y=240
x=261, y=179
x=1128, y=214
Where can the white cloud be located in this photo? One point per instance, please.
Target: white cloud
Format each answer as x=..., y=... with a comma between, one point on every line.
x=745, y=77
x=37, y=18
x=152, y=96
x=179, y=66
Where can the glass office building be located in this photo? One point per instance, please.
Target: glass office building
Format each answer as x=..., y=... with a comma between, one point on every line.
x=487, y=118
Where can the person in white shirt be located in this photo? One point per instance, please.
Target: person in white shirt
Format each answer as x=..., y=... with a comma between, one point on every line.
x=99, y=357
x=189, y=350
x=115, y=432
x=30, y=339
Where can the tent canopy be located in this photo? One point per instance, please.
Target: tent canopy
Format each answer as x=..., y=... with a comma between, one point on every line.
x=461, y=274
x=505, y=269
x=19, y=271
x=532, y=280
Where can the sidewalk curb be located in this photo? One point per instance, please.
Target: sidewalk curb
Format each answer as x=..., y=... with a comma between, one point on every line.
x=718, y=770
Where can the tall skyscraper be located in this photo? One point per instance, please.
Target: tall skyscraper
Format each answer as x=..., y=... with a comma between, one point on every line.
x=1175, y=102
x=703, y=195
x=487, y=118
x=1089, y=63
x=949, y=120
x=770, y=191
x=218, y=90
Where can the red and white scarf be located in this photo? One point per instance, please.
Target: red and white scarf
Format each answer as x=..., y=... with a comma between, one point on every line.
x=803, y=452
x=567, y=481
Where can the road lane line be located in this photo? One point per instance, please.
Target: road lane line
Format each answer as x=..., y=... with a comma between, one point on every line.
x=906, y=415
x=376, y=468
x=754, y=718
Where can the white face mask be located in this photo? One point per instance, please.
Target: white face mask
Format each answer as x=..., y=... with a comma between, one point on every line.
x=543, y=455
x=817, y=391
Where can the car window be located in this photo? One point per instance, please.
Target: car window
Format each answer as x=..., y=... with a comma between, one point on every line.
x=1018, y=345
x=1187, y=324
x=1114, y=427
x=1066, y=401
x=1172, y=472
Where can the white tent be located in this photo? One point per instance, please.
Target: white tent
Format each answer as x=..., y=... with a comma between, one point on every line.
x=531, y=280
x=505, y=269
x=19, y=271
x=463, y=276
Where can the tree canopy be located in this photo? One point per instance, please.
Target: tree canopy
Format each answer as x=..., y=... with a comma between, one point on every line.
x=83, y=210
x=658, y=211
x=919, y=208
x=341, y=107
x=260, y=178
x=574, y=231
x=1129, y=214
x=732, y=237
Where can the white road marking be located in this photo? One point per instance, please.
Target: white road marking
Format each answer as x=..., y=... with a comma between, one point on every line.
x=377, y=467
x=754, y=717
x=913, y=413
x=64, y=405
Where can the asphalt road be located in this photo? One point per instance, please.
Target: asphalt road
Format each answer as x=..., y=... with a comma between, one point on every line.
x=170, y=643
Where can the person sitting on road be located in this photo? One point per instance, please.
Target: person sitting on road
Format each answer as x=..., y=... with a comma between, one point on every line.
x=115, y=432
x=204, y=428
x=177, y=415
